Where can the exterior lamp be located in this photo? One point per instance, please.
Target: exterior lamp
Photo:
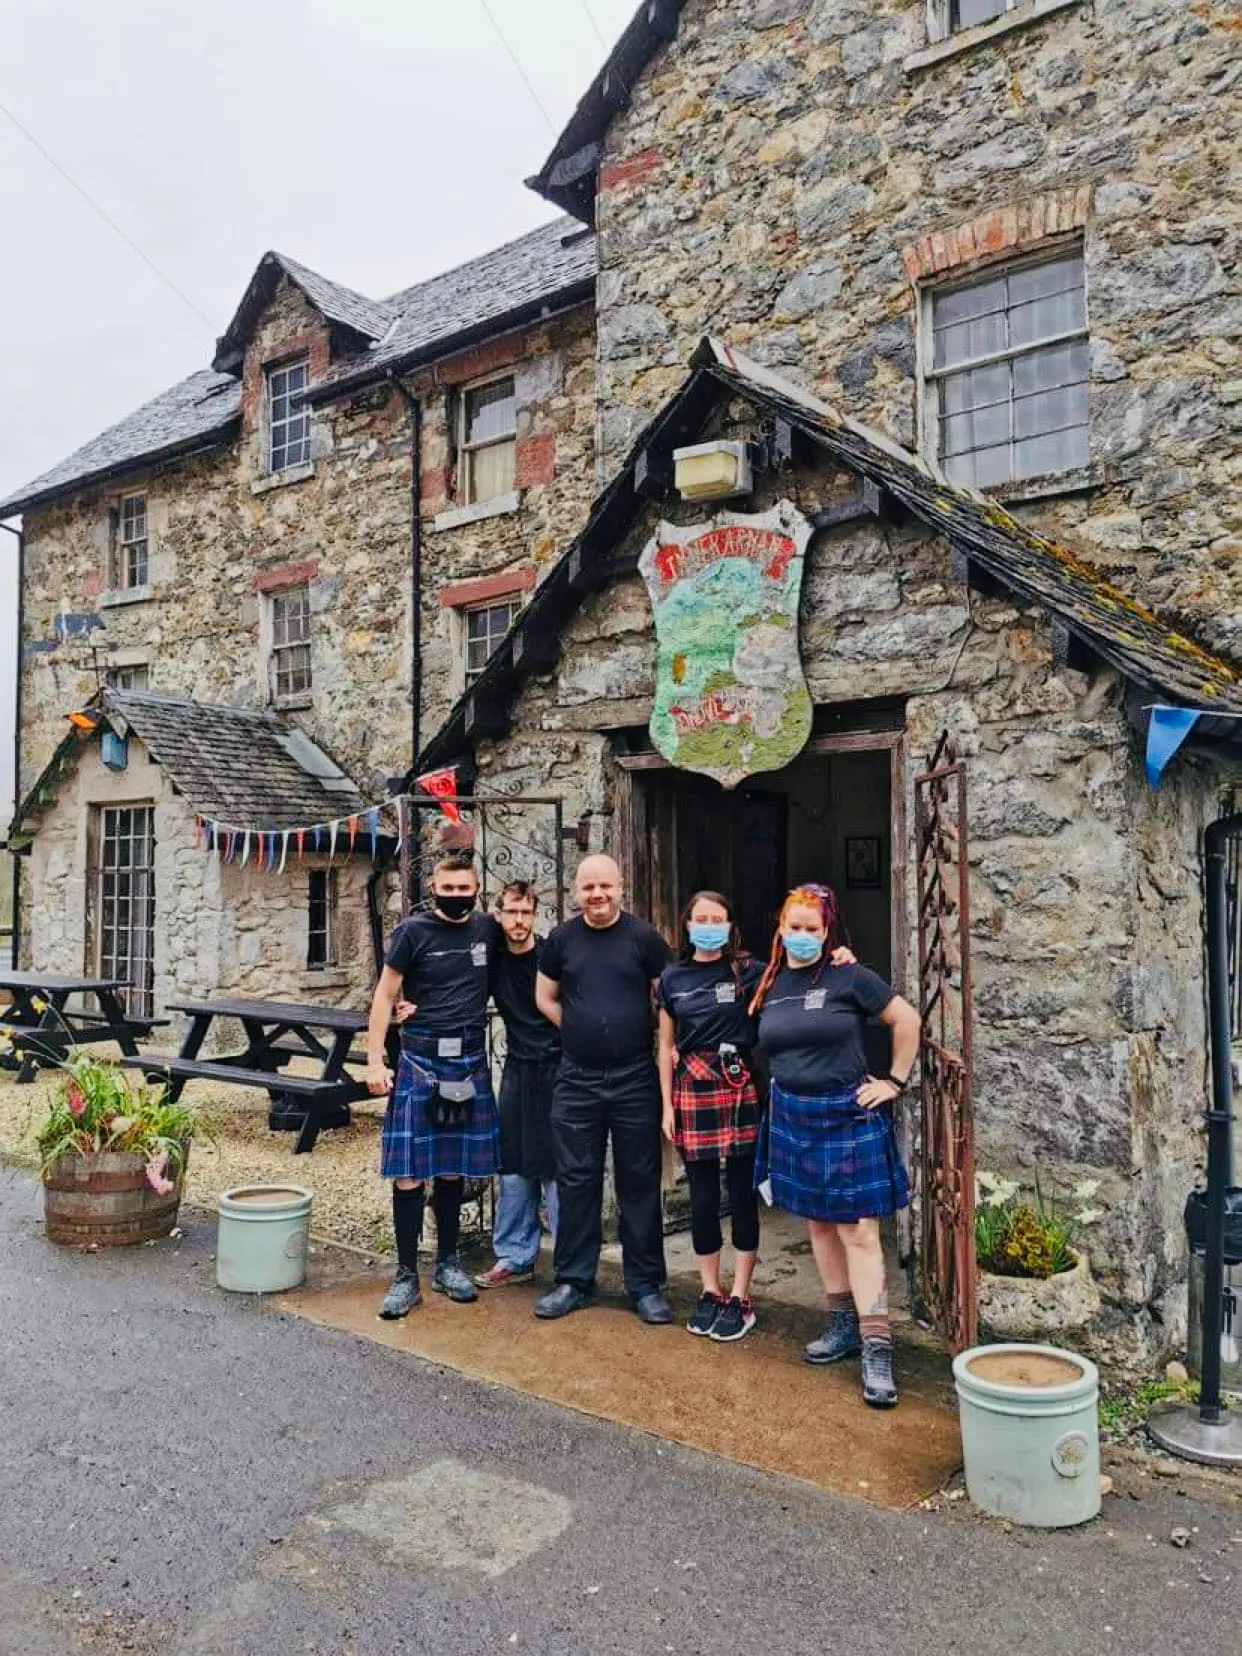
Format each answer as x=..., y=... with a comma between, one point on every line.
x=712, y=471
x=84, y=721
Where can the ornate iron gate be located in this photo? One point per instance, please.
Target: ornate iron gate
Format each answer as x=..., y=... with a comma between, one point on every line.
x=947, y=1151
x=513, y=836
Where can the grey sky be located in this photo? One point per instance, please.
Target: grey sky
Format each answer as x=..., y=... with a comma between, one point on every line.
x=378, y=141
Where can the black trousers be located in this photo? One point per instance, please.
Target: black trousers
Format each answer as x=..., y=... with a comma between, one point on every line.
x=703, y=1178
x=587, y=1106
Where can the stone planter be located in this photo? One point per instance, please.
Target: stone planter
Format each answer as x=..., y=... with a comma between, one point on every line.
x=1040, y=1309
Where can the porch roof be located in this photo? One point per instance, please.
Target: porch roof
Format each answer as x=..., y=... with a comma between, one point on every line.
x=243, y=766
x=1092, y=615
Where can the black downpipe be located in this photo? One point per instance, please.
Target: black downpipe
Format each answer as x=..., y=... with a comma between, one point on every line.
x=20, y=536
x=1220, y=1116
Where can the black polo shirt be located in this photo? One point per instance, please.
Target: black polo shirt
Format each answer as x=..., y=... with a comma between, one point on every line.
x=444, y=969
x=811, y=1026
x=528, y=1034
x=605, y=974
x=708, y=1004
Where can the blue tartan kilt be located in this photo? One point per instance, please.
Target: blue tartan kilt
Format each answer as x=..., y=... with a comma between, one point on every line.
x=413, y=1149
x=828, y=1159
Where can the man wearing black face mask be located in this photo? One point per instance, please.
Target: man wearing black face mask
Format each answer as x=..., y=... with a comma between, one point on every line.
x=441, y=1122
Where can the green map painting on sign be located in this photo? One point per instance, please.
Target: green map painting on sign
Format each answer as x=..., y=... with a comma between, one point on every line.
x=731, y=699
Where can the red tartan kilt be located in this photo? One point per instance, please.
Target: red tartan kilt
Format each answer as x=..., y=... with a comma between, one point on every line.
x=711, y=1116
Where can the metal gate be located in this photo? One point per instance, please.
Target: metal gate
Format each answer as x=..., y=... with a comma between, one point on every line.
x=947, y=1151
x=513, y=836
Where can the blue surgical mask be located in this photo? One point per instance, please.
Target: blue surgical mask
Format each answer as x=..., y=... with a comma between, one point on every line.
x=802, y=945
x=713, y=936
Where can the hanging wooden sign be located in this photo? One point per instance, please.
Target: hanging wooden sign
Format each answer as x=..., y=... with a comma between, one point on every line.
x=731, y=699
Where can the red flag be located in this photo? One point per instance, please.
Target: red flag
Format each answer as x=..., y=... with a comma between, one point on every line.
x=442, y=785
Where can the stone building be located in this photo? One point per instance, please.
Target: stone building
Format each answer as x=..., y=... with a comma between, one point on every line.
x=969, y=270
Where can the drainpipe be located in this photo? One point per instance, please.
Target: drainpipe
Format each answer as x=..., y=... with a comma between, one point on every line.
x=20, y=537
x=415, y=410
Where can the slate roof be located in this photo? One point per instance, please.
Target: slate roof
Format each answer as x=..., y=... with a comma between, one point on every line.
x=200, y=412
x=567, y=177
x=1153, y=655
x=546, y=268
x=242, y=766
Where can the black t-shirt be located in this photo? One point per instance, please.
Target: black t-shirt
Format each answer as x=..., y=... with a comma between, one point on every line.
x=605, y=974
x=707, y=1004
x=444, y=969
x=528, y=1034
x=811, y=1026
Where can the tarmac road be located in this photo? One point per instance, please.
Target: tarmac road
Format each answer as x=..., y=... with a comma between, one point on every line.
x=184, y=1473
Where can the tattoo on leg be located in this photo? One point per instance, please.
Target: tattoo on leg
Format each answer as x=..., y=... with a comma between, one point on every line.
x=879, y=1305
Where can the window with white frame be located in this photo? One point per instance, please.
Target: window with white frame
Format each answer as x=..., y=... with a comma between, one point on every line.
x=966, y=14
x=485, y=626
x=288, y=416
x=321, y=919
x=487, y=441
x=131, y=563
x=289, y=657
x=133, y=675
x=1006, y=368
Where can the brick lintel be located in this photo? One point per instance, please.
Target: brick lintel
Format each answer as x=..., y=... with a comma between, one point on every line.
x=461, y=593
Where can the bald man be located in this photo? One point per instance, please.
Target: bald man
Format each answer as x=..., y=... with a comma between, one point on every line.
x=596, y=982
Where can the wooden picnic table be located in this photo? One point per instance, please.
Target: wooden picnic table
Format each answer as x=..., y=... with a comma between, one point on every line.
x=276, y=1032
x=45, y=1032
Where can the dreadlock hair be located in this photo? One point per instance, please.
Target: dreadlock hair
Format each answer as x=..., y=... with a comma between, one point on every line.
x=733, y=951
x=821, y=898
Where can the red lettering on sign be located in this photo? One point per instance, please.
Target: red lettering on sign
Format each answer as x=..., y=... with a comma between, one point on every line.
x=774, y=551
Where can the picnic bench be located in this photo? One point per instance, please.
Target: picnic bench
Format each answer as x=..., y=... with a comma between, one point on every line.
x=276, y=1032
x=40, y=1021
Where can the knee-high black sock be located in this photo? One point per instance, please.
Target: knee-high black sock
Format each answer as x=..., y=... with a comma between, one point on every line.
x=407, y=1224
x=446, y=1198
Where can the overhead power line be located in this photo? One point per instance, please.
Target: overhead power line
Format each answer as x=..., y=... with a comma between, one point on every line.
x=107, y=218
x=599, y=34
x=526, y=81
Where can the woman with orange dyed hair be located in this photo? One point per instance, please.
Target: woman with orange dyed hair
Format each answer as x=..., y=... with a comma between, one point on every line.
x=828, y=1150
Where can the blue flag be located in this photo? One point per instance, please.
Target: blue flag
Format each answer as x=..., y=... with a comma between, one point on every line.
x=1166, y=731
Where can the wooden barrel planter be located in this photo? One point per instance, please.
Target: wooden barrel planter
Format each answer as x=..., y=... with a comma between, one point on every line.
x=104, y=1201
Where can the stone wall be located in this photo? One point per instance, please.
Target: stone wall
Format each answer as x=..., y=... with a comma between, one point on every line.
x=782, y=177
x=222, y=531
x=219, y=929
x=1086, y=913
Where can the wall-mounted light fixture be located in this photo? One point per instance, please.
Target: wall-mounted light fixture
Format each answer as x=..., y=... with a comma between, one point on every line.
x=712, y=471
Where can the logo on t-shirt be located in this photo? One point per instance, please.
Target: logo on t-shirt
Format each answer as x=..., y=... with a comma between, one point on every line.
x=815, y=999
x=726, y=994
x=478, y=954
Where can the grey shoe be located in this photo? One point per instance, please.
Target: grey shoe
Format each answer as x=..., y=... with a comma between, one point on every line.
x=840, y=1338
x=450, y=1279
x=877, y=1374
x=402, y=1297
x=653, y=1308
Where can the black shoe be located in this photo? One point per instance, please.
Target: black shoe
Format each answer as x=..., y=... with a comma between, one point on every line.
x=706, y=1310
x=450, y=1279
x=402, y=1297
x=653, y=1308
x=563, y=1299
x=735, y=1321
x=840, y=1339
x=877, y=1374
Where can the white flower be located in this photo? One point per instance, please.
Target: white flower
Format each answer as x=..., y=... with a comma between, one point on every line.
x=1085, y=1189
x=1089, y=1216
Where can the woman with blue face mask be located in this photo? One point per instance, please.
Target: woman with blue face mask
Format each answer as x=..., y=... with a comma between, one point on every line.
x=830, y=1151
x=711, y=1102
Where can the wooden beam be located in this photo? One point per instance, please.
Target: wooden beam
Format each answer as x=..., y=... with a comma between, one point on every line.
x=535, y=651
x=868, y=502
x=1070, y=653
x=486, y=716
x=980, y=580
x=653, y=474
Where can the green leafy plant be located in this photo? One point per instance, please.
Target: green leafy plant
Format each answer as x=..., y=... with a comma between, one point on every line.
x=1032, y=1237
x=96, y=1106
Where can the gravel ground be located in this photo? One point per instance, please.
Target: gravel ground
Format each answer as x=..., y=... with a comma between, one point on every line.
x=351, y=1203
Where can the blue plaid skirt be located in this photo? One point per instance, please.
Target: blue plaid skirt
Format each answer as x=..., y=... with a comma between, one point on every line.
x=828, y=1159
x=414, y=1149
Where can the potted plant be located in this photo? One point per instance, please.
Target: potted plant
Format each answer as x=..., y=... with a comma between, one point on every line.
x=1035, y=1282
x=112, y=1156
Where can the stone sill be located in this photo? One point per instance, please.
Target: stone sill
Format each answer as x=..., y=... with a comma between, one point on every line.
x=293, y=704
x=282, y=479
x=324, y=977
x=125, y=595
x=966, y=40
x=1085, y=480
x=459, y=516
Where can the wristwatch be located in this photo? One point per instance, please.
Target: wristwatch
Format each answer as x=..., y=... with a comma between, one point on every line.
x=898, y=1083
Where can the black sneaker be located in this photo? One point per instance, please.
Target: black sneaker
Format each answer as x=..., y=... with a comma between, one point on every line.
x=735, y=1321
x=706, y=1311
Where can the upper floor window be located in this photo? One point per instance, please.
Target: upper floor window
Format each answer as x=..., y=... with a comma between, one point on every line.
x=135, y=675
x=965, y=14
x=289, y=658
x=288, y=415
x=487, y=441
x=131, y=564
x=321, y=919
x=485, y=627
x=1006, y=370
